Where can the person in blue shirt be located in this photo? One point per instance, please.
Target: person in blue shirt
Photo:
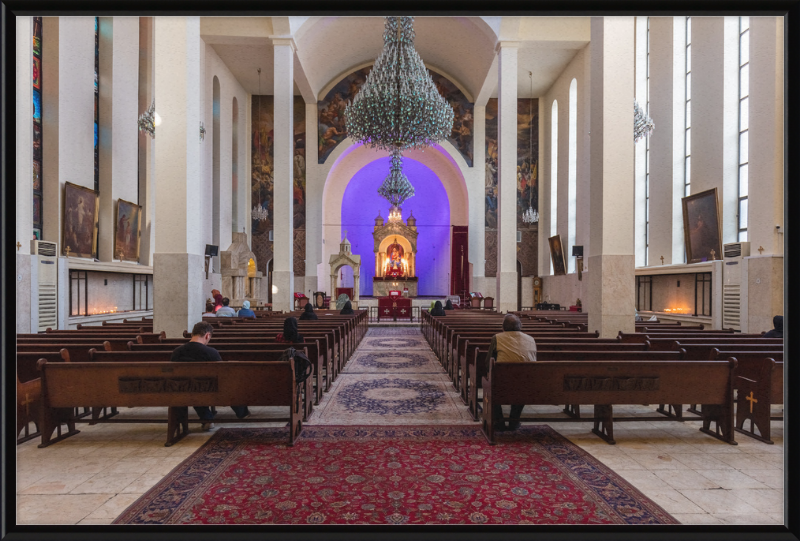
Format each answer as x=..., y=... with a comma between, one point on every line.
x=226, y=311
x=245, y=311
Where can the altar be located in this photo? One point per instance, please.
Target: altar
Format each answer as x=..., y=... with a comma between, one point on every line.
x=395, y=247
x=394, y=307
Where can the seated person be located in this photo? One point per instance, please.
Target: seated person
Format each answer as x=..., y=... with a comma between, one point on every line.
x=197, y=350
x=289, y=334
x=449, y=305
x=777, y=332
x=511, y=346
x=308, y=313
x=347, y=309
x=226, y=311
x=245, y=311
x=209, y=310
x=437, y=309
x=217, y=299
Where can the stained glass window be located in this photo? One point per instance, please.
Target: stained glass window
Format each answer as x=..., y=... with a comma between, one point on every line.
x=37, y=127
x=96, y=104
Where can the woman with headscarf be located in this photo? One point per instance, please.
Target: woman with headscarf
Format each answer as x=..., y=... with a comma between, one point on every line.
x=437, y=309
x=777, y=332
x=245, y=311
x=308, y=313
x=347, y=310
x=217, y=299
x=449, y=305
x=290, y=335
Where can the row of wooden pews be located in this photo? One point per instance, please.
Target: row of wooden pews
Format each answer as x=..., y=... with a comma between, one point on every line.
x=661, y=363
x=127, y=365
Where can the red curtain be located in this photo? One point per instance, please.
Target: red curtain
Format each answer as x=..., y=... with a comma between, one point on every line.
x=459, y=261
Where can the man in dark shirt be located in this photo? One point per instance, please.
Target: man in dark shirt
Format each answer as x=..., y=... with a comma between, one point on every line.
x=197, y=350
x=777, y=332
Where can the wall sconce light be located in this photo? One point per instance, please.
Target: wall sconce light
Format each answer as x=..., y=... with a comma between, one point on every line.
x=202, y=132
x=149, y=120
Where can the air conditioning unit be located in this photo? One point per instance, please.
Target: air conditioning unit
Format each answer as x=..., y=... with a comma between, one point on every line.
x=733, y=254
x=47, y=283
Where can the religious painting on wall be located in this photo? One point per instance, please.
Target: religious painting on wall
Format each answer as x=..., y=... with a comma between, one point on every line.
x=527, y=157
x=701, y=228
x=299, y=186
x=557, y=255
x=491, y=164
x=126, y=236
x=330, y=111
x=463, y=120
x=37, y=127
x=81, y=206
x=262, y=185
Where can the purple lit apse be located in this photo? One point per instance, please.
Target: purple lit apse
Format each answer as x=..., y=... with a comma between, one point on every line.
x=430, y=206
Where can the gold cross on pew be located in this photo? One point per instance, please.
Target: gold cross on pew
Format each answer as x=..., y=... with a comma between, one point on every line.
x=27, y=404
x=751, y=400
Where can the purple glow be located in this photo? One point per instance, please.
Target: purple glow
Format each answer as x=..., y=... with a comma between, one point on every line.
x=431, y=208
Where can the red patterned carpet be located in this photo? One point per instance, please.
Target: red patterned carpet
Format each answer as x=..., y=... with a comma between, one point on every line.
x=392, y=475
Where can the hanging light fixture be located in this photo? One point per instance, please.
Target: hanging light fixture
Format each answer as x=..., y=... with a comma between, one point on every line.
x=398, y=106
x=149, y=120
x=642, y=124
x=396, y=188
x=531, y=215
x=259, y=212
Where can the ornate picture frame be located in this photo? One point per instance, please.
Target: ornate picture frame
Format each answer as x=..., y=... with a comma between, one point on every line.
x=127, y=231
x=557, y=255
x=81, y=208
x=702, y=227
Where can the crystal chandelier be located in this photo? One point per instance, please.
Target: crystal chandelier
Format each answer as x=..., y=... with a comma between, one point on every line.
x=642, y=124
x=398, y=105
x=259, y=212
x=396, y=188
x=531, y=215
x=149, y=120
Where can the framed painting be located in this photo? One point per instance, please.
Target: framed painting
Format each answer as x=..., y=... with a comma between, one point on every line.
x=81, y=206
x=701, y=226
x=127, y=231
x=557, y=255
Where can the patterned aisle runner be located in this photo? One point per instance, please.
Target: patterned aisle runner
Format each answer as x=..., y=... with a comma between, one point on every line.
x=393, y=378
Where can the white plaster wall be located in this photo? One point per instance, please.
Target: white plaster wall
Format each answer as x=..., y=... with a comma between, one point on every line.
x=576, y=69
x=229, y=88
x=564, y=290
x=22, y=303
x=24, y=135
x=765, y=293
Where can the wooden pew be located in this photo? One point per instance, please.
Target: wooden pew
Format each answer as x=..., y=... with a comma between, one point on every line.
x=606, y=383
x=759, y=385
x=174, y=385
x=253, y=356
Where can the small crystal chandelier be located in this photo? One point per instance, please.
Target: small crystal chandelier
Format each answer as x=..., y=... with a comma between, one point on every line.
x=259, y=212
x=395, y=214
x=149, y=120
x=398, y=106
x=531, y=215
x=642, y=124
x=396, y=188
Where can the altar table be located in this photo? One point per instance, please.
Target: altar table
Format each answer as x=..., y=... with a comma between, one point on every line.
x=394, y=308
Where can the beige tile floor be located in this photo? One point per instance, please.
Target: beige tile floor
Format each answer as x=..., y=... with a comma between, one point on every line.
x=93, y=476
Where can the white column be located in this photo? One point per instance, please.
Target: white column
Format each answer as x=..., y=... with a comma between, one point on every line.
x=611, y=287
x=178, y=258
x=313, y=204
x=283, y=263
x=477, y=199
x=714, y=114
x=146, y=144
x=68, y=113
x=640, y=149
x=765, y=152
x=24, y=135
x=506, y=297
x=118, y=152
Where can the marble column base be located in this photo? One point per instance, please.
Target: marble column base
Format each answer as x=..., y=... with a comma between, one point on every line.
x=178, y=295
x=506, y=297
x=611, y=294
x=762, y=292
x=284, y=298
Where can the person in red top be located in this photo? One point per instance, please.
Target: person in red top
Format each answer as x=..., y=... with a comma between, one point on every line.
x=289, y=334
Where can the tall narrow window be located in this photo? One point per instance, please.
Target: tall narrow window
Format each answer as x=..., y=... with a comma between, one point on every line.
x=687, y=140
x=573, y=173
x=744, y=121
x=235, y=165
x=553, y=173
x=37, y=128
x=647, y=158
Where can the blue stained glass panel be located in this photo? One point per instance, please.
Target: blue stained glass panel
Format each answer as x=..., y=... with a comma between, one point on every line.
x=37, y=106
